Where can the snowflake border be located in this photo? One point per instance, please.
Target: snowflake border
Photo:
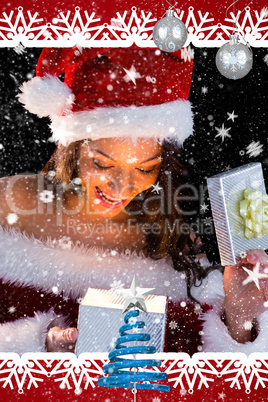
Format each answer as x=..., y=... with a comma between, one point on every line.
x=184, y=372
x=84, y=28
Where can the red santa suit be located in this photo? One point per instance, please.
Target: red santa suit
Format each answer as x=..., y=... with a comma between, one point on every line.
x=43, y=282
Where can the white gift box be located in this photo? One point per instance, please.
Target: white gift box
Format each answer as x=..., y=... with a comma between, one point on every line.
x=225, y=192
x=101, y=316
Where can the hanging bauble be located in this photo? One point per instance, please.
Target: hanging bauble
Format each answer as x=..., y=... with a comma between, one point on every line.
x=169, y=33
x=234, y=60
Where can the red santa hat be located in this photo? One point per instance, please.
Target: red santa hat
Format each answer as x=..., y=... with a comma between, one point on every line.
x=112, y=92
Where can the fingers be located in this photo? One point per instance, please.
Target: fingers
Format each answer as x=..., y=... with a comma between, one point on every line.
x=257, y=255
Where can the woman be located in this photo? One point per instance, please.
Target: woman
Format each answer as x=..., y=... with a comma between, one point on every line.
x=119, y=121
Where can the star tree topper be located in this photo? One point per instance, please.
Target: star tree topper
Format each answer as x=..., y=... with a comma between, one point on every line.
x=134, y=296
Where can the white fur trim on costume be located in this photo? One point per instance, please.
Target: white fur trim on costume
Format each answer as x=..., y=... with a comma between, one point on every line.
x=28, y=334
x=25, y=260
x=216, y=337
x=46, y=96
x=170, y=120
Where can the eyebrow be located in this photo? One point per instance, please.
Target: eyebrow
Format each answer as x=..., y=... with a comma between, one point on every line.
x=102, y=153
x=107, y=156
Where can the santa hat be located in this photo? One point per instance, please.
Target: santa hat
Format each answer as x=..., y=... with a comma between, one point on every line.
x=112, y=92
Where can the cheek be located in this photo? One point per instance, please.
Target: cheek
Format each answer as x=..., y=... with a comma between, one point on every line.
x=143, y=182
x=89, y=174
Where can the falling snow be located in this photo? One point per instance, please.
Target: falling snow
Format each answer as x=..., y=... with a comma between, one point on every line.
x=232, y=116
x=116, y=285
x=46, y=196
x=19, y=49
x=173, y=325
x=64, y=242
x=12, y=218
x=254, y=149
x=131, y=75
x=157, y=187
x=203, y=207
x=222, y=132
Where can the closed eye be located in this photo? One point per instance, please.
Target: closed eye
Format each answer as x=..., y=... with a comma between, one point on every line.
x=96, y=163
x=146, y=171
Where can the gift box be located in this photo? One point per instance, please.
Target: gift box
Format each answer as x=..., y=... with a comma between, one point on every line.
x=101, y=316
x=238, y=198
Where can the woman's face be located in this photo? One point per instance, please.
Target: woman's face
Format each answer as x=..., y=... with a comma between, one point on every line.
x=115, y=172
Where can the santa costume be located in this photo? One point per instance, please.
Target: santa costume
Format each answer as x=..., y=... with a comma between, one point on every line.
x=145, y=92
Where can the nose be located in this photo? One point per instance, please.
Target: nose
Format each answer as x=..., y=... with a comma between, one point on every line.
x=121, y=185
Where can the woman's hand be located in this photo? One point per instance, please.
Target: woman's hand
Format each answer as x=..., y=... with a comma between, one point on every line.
x=61, y=340
x=244, y=302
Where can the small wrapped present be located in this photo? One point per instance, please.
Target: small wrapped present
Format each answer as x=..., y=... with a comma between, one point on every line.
x=240, y=210
x=100, y=315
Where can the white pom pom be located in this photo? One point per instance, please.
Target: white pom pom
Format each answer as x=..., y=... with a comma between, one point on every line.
x=46, y=96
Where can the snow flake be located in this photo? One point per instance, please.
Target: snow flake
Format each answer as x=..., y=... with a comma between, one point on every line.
x=76, y=181
x=131, y=75
x=254, y=276
x=208, y=220
x=116, y=285
x=12, y=218
x=134, y=159
x=64, y=242
x=247, y=325
x=19, y=49
x=254, y=149
x=222, y=132
x=12, y=309
x=204, y=90
x=1, y=147
x=232, y=116
x=173, y=325
x=264, y=12
x=151, y=79
x=203, y=207
x=187, y=54
x=166, y=283
x=243, y=254
x=46, y=196
x=157, y=188
x=55, y=289
x=221, y=396
x=265, y=59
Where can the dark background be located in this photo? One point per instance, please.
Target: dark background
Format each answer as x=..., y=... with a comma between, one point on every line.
x=24, y=145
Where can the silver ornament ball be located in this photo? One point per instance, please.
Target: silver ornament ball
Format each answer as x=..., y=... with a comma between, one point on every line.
x=169, y=33
x=234, y=60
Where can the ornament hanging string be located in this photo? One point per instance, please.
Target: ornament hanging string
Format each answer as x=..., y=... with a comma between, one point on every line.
x=171, y=7
x=236, y=21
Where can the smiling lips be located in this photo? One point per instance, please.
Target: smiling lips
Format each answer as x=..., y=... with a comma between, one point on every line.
x=106, y=200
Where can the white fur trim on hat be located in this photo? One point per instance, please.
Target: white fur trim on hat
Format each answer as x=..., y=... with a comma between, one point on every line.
x=170, y=120
x=46, y=96
x=28, y=334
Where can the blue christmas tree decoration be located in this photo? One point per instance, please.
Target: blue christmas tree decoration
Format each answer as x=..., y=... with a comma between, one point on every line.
x=117, y=376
